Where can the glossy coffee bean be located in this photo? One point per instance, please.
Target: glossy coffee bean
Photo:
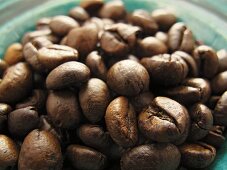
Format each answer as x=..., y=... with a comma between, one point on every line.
x=40, y=150
x=166, y=70
x=219, y=83
x=222, y=60
x=79, y=14
x=3, y=66
x=14, y=54
x=128, y=77
x=164, y=120
x=153, y=156
x=5, y=109
x=121, y=122
x=16, y=83
x=180, y=38
x=82, y=157
x=94, y=97
x=164, y=18
x=162, y=36
x=68, y=74
x=8, y=153
x=201, y=121
x=91, y=6
x=41, y=42
x=207, y=61
x=63, y=109
x=43, y=23
x=197, y=155
x=22, y=121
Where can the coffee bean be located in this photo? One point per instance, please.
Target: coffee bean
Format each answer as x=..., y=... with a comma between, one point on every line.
x=86, y=158
x=5, y=109
x=128, y=77
x=219, y=83
x=121, y=122
x=162, y=36
x=3, y=66
x=14, y=54
x=153, y=156
x=222, y=60
x=41, y=42
x=91, y=6
x=197, y=155
x=79, y=14
x=43, y=23
x=40, y=150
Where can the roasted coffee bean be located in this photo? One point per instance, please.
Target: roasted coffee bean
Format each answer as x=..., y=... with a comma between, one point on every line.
x=82, y=157
x=150, y=46
x=201, y=121
x=121, y=122
x=91, y=6
x=8, y=153
x=5, y=109
x=40, y=150
x=213, y=100
x=41, y=42
x=114, y=10
x=166, y=69
x=22, y=121
x=68, y=74
x=222, y=60
x=63, y=109
x=128, y=77
x=153, y=156
x=207, y=60
x=180, y=38
x=162, y=36
x=16, y=83
x=96, y=65
x=143, y=19
x=43, y=23
x=197, y=155
x=79, y=14
x=94, y=97
x=219, y=83
x=14, y=54
x=164, y=120
x=3, y=66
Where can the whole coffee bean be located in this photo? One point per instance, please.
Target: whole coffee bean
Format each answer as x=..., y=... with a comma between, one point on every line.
x=5, y=109
x=61, y=24
x=8, y=153
x=164, y=120
x=164, y=18
x=153, y=156
x=197, y=155
x=54, y=55
x=207, y=60
x=201, y=121
x=40, y=150
x=162, y=36
x=63, y=109
x=22, y=121
x=43, y=23
x=79, y=14
x=96, y=65
x=121, y=122
x=91, y=6
x=143, y=19
x=213, y=100
x=68, y=74
x=222, y=60
x=219, y=83
x=14, y=54
x=94, y=97
x=82, y=157
x=16, y=83
x=3, y=66
x=180, y=38
x=128, y=78
x=41, y=42
x=84, y=39
x=166, y=69
x=114, y=10
x=150, y=46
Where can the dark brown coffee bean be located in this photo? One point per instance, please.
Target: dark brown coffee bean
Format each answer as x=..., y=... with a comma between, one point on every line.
x=143, y=19
x=91, y=6
x=164, y=120
x=197, y=155
x=68, y=74
x=79, y=14
x=61, y=24
x=16, y=83
x=41, y=42
x=150, y=46
x=63, y=109
x=3, y=67
x=201, y=121
x=128, y=77
x=166, y=70
x=82, y=157
x=22, y=121
x=94, y=97
x=207, y=61
x=222, y=60
x=219, y=83
x=114, y=10
x=14, y=54
x=162, y=36
x=180, y=38
x=5, y=109
x=121, y=122
x=164, y=18
x=153, y=156
x=40, y=150
x=96, y=65
x=8, y=153
x=213, y=100
x=43, y=23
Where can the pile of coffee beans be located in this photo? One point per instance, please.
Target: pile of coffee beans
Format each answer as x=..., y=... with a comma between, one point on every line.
x=106, y=89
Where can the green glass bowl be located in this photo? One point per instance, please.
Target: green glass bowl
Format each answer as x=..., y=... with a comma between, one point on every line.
x=20, y=16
